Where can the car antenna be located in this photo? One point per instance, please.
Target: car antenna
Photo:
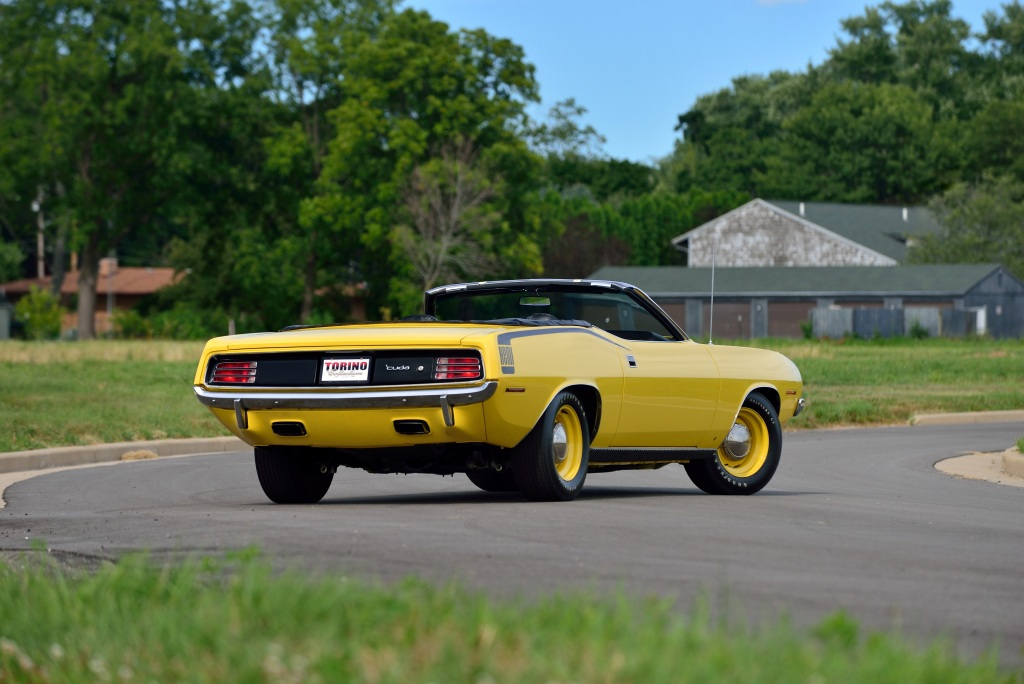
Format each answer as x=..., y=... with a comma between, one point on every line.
x=711, y=322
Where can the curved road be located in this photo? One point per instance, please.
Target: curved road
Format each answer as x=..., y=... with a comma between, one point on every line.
x=857, y=520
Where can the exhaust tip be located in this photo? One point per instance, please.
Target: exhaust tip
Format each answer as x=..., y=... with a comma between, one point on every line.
x=288, y=428
x=412, y=427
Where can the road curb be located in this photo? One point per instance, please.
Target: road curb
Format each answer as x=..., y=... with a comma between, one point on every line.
x=969, y=418
x=1013, y=462
x=59, y=457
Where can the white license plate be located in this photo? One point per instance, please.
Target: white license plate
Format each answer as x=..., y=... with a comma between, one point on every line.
x=345, y=370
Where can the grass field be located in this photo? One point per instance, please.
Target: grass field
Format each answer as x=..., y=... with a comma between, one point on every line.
x=56, y=394
x=132, y=622
x=878, y=382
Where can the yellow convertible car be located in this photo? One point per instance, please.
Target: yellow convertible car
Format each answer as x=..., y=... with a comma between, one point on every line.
x=523, y=385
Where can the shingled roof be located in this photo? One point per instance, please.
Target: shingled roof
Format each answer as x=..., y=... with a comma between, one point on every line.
x=880, y=228
x=936, y=280
x=126, y=281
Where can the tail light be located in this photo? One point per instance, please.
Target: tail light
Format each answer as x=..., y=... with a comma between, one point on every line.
x=458, y=368
x=234, y=373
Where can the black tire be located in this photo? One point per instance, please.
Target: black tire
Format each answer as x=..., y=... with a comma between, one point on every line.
x=550, y=464
x=493, y=481
x=746, y=473
x=291, y=476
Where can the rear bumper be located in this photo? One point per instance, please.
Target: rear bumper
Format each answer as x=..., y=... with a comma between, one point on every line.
x=444, y=398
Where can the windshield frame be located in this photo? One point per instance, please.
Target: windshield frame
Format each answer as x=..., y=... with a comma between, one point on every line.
x=532, y=287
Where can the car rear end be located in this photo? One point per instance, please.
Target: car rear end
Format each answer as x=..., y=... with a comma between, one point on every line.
x=352, y=387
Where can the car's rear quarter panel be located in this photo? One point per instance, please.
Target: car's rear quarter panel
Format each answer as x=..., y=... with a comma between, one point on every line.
x=532, y=365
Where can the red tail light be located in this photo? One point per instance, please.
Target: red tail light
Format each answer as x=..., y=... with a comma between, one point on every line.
x=234, y=372
x=458, y=368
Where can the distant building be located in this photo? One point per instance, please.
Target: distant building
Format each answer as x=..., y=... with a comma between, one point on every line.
x=949, y=299
x=117, y=288
x=770, y=233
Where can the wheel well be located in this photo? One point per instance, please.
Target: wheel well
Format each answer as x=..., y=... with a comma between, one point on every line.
x=771, y=394
x=591, y=400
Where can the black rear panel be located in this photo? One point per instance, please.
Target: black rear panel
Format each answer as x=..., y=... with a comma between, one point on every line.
x=303, y=369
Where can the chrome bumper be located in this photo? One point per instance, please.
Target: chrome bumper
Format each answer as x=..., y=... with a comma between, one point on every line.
x=443, y=398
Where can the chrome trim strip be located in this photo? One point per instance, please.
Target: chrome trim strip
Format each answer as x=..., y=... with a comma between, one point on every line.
x=443, y=398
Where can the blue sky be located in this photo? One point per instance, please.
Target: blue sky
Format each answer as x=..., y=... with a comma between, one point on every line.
x=637, y=64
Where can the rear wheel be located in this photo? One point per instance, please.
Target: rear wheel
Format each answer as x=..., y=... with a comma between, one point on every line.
x=748, y=457
x=291, y=476
x=493, y=480
x=550, y=464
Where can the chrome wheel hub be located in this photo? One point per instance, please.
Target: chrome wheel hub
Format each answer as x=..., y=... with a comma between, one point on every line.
x=737, y=443
x=559, y=442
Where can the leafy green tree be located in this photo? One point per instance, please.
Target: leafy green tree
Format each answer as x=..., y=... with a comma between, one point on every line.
x=11, y=257
x=980, y=223
x=410, y=91
x=1003, y=54
x=311, y=42
x=728, y=134
x=113, y=88
x=995, y=139
x=861, y=143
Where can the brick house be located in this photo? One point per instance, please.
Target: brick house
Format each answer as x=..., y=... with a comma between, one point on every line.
x=117, y=288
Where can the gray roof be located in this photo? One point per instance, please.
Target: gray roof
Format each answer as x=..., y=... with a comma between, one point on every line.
x=876, y=227
x=946, y=280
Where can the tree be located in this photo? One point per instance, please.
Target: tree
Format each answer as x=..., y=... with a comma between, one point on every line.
x=112, y=86
x=310, y=44
x=450, y=221
x=980, y=223
x=861, y=143
x=1003, y=42
x=409, y=92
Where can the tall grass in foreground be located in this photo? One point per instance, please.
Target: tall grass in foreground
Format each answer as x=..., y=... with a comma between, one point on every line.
x=204, y=622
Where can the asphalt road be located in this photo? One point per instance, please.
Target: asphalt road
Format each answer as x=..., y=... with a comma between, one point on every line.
x=857, y=520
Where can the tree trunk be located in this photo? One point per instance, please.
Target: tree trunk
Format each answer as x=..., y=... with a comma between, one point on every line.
x=87, y=278
x=59, y=248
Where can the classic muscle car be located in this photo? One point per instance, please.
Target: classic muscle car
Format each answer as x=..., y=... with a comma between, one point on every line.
x=525, y=385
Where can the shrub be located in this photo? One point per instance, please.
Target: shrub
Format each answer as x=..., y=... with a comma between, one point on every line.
x=918, y=331
x=41, y=313
x=131, y=325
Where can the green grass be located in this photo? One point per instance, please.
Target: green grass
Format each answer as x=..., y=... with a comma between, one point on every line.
x=56, y=394
x=202, y=622
x=880, y=382
x=62, y=393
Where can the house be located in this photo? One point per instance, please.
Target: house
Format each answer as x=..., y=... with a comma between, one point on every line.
x=117, y=288
x=946, y=299
x=766, y=233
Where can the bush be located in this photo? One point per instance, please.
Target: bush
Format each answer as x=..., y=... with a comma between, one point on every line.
x=41, y=313
x=131, y=325
x=918, y=331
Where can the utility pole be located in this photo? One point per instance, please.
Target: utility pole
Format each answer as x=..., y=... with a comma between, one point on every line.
x=37, y=206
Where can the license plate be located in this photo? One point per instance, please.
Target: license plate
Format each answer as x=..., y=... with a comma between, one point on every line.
x=345, y=370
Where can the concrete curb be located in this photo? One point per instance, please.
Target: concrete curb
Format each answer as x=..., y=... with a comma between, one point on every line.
x=59, y=457
x=969, y=418
x=1013, y=462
